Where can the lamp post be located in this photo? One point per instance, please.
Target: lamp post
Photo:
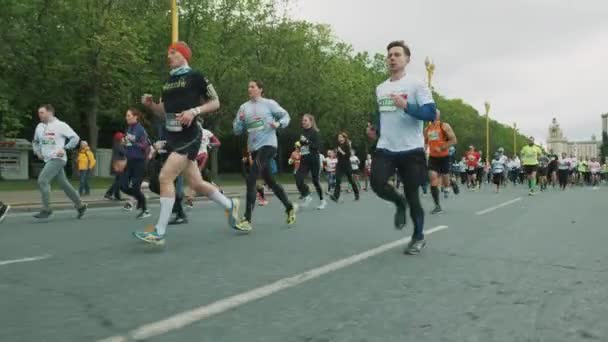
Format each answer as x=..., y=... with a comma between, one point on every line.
x=174, y=21
x=514, y=138
x=430, y=70
x=487, y=107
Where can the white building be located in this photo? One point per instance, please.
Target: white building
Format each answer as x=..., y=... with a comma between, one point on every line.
x=557, y=143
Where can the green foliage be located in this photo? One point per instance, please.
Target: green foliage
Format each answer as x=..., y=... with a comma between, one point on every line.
x=94, y=59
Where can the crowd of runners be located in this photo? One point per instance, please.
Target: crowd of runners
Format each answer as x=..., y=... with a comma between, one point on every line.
x=406, y=158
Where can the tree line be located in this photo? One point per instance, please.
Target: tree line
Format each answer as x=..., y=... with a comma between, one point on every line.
x=94, y=59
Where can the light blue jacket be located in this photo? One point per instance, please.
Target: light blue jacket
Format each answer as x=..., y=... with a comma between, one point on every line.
x=256, y=117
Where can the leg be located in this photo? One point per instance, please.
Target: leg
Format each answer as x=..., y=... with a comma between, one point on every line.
x=414, y=172
x=265, y=155
x=87, y=187
x=382, y=169
x=82, y=181
x=251, y=189
x=338, y=185
x=353, y=183
x=300, y=175
x=50, y=171
x=435, y=188
x=315, y=169
x=68, y=189
x=174, y=165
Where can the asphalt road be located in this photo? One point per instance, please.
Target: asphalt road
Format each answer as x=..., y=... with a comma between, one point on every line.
x=508, y=267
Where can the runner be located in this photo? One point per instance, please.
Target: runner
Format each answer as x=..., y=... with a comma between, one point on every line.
x=330, y=169
x=439, y=137
x=498, y=171
x=368, y=171
x=472, y=157
x=310, y=143
x=344, y=167
x=404, y=104
x=50, y=145
x=180, y=105
x=552, y=170
x=529, y=159
x=4, y=209
x=354, y=165
x=594, y=170
x=563, y=169
x=261, y=117
x=208, y=141
x=543, y=170
x=136, y=144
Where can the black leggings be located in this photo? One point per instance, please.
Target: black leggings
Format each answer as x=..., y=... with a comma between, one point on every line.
x=310, y=162
x=261, y=164
x=411, y=166
x=345, y=170
x=563, y=178
x=130, y=182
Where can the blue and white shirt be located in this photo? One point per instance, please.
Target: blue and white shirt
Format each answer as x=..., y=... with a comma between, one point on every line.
x=399, y=130
x=257, y=117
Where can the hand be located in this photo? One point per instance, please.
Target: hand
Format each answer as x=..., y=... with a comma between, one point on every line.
x=147, y=100
x=274, y=125
x=185, y=117
x=159, y=145
x=60, y=153
x=400, y=101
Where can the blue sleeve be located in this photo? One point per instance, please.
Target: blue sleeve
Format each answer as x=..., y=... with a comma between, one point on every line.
x=238, y=125
x=279, y=113
x=426, y=112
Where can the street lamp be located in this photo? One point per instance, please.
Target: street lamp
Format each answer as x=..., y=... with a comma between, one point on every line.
x=430, y=70
x=514, y=138
x=174, y=22
x=487, y=107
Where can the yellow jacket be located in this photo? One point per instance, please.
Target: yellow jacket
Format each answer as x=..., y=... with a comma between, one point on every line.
x=86, y=159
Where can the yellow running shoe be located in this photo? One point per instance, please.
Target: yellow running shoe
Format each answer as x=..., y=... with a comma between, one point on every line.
x=291, y=214
x=243, y=226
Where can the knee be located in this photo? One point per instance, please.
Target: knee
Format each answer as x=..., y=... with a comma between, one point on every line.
x=43, y=182
x=377, y=184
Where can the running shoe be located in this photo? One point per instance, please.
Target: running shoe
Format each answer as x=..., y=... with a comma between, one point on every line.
x=333, y=198
x=291, y=214
x=306, y=201
x=43, y=215
x=243, y=225
x=437, y=210
x=414, y=247
x=322, y=205
x=233, y=213
x=178, y=219
x=128, y=206
x=262, y=202
x=456, y=188
x=81, y=211
x=189, y=203
x=3, y=211
x=357, y=196
x=400, y=219
x=150, y=237
x=143, y=214
x=108, y=197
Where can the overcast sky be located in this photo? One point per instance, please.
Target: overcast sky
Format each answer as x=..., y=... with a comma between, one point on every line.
x=531, y=59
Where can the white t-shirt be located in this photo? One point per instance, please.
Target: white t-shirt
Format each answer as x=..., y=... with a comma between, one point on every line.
x=330, y=165
x=595, y=167
x=368, y=164
x=51, y=137
x=354, y=163
x=498, y=166
x=400, y=131
x=205, y=141
x=564, y=164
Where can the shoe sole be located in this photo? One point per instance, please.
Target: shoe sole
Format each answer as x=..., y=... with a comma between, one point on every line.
x=143, y=216
x=45, y=218
x=8, y=207
x=157, y=243
x=416, y=251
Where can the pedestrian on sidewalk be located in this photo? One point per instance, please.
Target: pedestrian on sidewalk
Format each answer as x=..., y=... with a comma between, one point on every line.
x=50, y=145
x=4, y=208
x=119, y=162
x=86, y=164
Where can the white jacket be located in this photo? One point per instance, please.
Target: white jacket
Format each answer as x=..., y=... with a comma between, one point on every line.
x=51, y=137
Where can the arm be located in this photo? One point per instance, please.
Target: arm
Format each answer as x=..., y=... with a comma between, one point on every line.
x=214, y=141
x=92, y=161
x=279, y=114
x=238, y=125
x=449, y=132
x=141, y=138
x=426, y=112
x=36, y=143
x=211, y=101
x=73, y=138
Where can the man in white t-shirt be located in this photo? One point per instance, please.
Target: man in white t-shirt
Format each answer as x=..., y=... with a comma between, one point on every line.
x=404, y=104
x=50, y=145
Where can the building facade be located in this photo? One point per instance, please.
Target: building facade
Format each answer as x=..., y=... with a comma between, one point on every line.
x=557, y=143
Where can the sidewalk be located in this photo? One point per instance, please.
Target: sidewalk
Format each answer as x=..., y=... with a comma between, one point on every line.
x=29, y=201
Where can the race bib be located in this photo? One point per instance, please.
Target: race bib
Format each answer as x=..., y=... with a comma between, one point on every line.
x=255, y=125
x=386, y=104
x=304, y=150
x=433, y=135
x=172, y=124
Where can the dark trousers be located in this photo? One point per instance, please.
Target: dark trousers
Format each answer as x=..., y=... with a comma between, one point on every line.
x=114, y=189
x=310, y=163
x=261, y=165
x=412, y=169
x=130, y=182
x=84, y=188
x=341, y=171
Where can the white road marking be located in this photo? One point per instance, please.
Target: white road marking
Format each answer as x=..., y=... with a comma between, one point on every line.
x=16, y=261
x=485, y=211
x=181, y=320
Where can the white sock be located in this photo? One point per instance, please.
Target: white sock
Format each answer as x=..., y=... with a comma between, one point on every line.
x=166, y=207
x=220, y=199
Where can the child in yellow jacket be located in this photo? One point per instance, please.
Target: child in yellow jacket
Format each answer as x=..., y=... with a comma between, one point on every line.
x=86, y=163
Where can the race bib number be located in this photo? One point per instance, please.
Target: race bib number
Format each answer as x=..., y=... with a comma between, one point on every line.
x=304, y=150
x=433, y=135
x=255, y=125
x=386, y=104
x=172, y=124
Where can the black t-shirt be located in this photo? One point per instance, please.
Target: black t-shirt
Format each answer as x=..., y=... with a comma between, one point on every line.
x=344, y=159
x=310, y=142
x=180, y=93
